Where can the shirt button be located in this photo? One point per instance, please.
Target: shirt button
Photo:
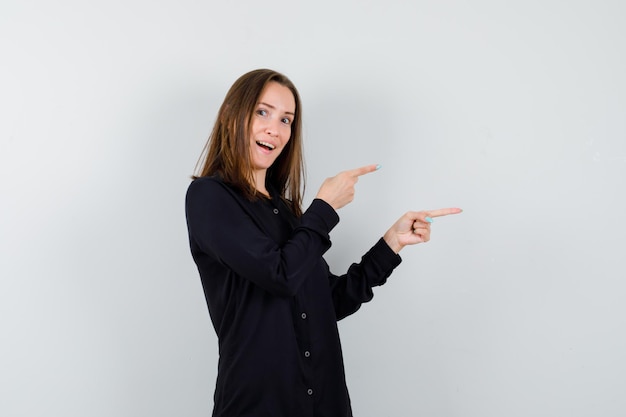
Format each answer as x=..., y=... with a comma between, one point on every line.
x=303, y=316
x=309, y=391
x=275, y=211
x=307, y=353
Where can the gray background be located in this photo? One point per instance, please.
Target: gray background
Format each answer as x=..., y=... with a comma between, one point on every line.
x=514, y=111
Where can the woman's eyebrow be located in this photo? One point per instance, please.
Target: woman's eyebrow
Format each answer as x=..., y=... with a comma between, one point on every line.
x=274, y=108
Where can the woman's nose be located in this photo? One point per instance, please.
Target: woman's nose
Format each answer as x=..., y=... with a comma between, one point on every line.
x=272, y=127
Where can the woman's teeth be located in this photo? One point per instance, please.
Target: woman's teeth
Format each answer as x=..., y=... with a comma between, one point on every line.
x=265, y=145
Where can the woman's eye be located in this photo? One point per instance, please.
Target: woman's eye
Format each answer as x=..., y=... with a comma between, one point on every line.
x=261, y=112
x=286, y=121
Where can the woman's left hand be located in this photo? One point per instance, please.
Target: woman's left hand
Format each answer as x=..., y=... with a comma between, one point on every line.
x=414, y=227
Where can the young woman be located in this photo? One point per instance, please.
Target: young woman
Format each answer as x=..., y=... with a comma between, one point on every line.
x=272, y=299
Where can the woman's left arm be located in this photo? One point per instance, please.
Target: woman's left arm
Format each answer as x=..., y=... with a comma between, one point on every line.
x=354, y=288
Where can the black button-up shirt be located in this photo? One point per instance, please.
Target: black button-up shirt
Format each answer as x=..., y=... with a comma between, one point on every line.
x=274, y=303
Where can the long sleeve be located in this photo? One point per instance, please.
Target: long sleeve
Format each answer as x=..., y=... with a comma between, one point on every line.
x=221, y=224
x=354, y=288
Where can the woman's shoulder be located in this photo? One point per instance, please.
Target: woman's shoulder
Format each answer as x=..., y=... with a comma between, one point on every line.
x=213, y=196
x=207, y=187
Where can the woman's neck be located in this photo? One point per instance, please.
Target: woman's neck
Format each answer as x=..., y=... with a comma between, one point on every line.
x=259, y=181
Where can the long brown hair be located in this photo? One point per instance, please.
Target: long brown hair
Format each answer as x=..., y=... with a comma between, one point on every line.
x=227, y=152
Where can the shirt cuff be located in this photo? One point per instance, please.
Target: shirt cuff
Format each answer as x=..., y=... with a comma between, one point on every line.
x=385, y=255
x=324, y=213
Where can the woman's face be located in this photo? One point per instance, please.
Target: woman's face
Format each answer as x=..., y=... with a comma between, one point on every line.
x=271, y=125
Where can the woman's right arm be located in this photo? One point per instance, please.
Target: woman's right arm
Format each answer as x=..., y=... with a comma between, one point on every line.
x=221, y=228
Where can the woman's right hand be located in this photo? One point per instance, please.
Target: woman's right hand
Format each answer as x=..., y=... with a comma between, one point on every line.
x=338, y=191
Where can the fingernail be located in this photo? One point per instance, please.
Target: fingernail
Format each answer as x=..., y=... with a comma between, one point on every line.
x=379, y=166
x=428, y=219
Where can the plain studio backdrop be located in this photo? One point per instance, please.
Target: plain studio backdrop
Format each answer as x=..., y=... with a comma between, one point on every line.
x=514, y=111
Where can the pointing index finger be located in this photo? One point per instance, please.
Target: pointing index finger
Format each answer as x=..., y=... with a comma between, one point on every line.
x=444, y=212
x=357, y=172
